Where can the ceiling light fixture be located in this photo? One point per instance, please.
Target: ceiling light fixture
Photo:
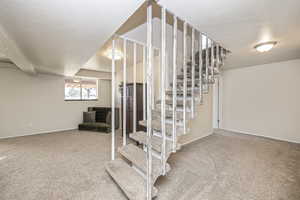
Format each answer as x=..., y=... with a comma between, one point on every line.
x=118, y=54
x=76, y=80
x=264, y=47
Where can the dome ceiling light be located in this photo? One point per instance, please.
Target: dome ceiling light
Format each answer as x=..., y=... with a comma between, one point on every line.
x=264, y=47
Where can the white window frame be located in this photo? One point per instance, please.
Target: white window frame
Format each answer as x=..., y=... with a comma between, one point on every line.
x=80, y=83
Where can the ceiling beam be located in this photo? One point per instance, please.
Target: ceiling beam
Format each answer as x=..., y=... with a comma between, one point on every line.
x=10, y=50
x=94, y=74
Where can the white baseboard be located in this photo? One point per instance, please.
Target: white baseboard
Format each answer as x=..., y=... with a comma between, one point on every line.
x=196, y=139
x=39, y=133
x=259, y=135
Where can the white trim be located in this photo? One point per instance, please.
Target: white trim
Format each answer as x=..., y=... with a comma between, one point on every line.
x=259, y=135
x=40, y=133
x=196, y=139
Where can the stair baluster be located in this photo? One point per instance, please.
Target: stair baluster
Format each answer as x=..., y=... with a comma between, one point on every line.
x=113, y=134
x=149, y=101
x=206, y=65
x=163, y=88
x=212, y=63
x=217, y=58
x=193, y=73
x=184, y=76
x=200, y=67
x=144, y=83
x=134, y=88
x=124, y=90
x=174, y=135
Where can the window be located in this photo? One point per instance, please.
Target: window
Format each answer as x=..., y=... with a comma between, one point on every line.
x=81, y=89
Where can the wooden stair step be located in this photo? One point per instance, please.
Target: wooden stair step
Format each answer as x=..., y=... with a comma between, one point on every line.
x=128, y=179
x=138, y=158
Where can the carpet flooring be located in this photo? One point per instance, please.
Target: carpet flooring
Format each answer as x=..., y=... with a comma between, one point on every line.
x=223, y=166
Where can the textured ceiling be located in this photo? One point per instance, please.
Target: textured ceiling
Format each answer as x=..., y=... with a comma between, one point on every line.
x=60, y=36
x=240, y=24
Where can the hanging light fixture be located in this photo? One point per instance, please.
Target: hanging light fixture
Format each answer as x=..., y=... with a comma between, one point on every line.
x=118, y=54
x=266, y=46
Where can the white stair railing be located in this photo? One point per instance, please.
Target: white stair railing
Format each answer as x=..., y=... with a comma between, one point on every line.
x=213, y=59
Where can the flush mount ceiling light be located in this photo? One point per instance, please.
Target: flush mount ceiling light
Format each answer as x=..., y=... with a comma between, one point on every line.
x=266, y=46
x=118, y=54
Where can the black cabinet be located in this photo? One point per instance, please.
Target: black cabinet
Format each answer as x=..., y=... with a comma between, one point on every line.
x=129, y=107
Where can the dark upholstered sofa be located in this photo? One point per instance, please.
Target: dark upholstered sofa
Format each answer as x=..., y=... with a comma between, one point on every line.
x=99, y=119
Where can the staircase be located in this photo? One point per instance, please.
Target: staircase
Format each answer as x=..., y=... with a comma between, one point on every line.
x=139, y=166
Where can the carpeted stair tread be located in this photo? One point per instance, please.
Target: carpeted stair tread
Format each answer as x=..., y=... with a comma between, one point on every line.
x=141, y=137
x=179, y=102
x=169, y=114
x=180, y=92
x=156, y=125
x=189, y=75
x=132, y=183
x=138, y=158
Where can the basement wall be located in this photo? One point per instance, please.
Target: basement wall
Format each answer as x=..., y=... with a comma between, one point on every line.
x=263, y=100
x=35, y=104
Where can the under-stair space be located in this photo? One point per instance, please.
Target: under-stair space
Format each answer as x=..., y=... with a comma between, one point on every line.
x=168, y=116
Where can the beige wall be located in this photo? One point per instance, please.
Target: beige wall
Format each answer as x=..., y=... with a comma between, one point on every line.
x=35, y=104
x=202, y=124
x=263, y=100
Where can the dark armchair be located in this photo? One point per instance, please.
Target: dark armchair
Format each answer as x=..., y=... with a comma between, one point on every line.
x=99, y=119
